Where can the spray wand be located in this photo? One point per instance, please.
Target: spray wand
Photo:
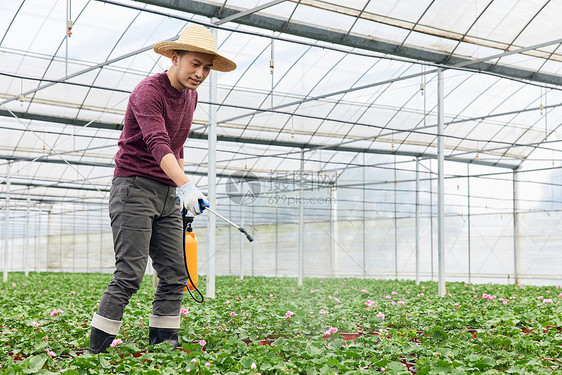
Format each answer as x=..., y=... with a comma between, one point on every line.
x=231, y=223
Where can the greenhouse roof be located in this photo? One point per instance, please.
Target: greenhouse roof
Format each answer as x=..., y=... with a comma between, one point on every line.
x=335, y=79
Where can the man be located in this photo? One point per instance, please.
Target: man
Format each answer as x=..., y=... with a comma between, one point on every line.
x=148, y=180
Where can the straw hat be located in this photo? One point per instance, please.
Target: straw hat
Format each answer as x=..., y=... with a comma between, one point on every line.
x=198, y=39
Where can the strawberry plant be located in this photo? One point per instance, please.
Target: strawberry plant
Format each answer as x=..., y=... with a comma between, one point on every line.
x=271, y=325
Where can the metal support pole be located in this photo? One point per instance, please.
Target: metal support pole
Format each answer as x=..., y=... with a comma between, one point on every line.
x=27, y=235
x=48, y=264
x=276, y=241
x=87, y=238
x=431, y=216
x=241, y=238
x=364, y=227
x=7, y=222
x=252, y=244
x=61, y=240
x=301, y=222
x=333, y=230
x=440, y=184
x=212, y=179
x=469, y=224
x=101, y=239
x=516, y=254
x=229, y=241
x=395, y=226
x=417, y=221
x=74, y=240
x=38, y=239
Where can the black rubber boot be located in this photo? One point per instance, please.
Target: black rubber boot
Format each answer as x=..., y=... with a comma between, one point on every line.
x=100, y=341
x=158, y=335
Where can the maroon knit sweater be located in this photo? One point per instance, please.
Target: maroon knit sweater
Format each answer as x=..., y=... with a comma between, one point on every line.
x=157, y=122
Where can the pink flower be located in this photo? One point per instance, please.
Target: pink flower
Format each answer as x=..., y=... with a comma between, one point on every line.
x=421, y=295
x=560, y=295
x=388, y=297
x=400, y=302
x=505, y=302
x=322, y=311
x=394, y=293
x=202, y=343
x=380, y=315
x=13, y=284
x=330, y=331
x=337, y=300
x=233, y=314
x=183, y=312
x=50, y=353
x=330, y=297
x=35, y=324
x=56, y=312
x=116, y=342
x=228, y=302
x=208, y=364
x=253, y=366
x=369, y=303
x=289, y=314
x=364, y=291
x=540, y=297
x=383, y=369
x=548, y=300
x=71, y=292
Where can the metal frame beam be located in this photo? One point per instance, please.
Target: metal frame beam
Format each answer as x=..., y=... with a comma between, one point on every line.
x=256, y=141
x=248, y=12
x=342, y=38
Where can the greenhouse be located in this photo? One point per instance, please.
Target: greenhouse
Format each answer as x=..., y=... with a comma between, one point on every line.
x=399, y=149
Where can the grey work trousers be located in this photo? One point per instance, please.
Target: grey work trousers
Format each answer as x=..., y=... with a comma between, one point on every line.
x=145, y=220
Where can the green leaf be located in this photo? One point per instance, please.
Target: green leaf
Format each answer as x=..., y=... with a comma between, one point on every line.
x=104, y=363
x=333, y=362
x=336, y=344
x=313, y=350
x=35, y=363
x=280, y=341
x=246, y=361
x=482, y=363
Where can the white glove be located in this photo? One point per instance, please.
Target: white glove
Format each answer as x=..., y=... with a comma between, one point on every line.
x=192, y=199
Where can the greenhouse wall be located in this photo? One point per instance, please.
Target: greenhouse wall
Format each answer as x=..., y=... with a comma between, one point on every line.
x=376, y=248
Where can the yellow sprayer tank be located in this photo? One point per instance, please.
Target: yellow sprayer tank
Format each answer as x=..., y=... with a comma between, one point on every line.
x=191, y=256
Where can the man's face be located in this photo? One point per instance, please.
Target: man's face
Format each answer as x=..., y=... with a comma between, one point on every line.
x=190, y=69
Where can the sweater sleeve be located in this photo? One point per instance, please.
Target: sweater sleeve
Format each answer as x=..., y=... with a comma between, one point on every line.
x=147, y=105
